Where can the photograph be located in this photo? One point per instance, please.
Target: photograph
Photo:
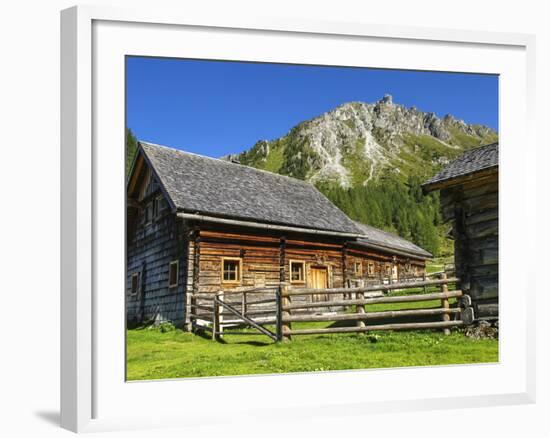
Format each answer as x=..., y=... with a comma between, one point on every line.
x=285, y=218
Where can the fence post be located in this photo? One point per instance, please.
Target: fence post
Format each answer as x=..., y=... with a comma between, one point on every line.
x=220, y=316
x=192, y=311
x=215, y=313
x=243, y=305
x=285, y=301
x=445, y=303
x=360, y=309
x=279, y=313
x=217, y=318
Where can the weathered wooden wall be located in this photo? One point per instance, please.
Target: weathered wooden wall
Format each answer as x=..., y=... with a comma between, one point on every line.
x=472, y=207
x=265, y=258
x=407, y=268
x=151, y=246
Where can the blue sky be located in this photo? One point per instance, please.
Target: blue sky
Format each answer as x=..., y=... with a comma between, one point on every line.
x=215, y=107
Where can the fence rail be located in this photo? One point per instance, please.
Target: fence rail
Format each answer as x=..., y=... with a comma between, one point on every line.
x=281, y=307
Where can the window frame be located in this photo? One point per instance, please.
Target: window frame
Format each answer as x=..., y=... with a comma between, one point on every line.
x=155, y=207
x=371, y=269
x=134, y=275
x=177, y=264
x=239, y=260
x=146, y=219
x=360, y=270
x=157, y=201
x=297, y=262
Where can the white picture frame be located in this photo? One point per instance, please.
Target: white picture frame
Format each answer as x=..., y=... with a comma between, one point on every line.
x=94, y=395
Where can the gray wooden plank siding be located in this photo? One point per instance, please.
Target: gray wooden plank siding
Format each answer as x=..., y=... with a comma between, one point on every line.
x=473, y=210
x=150, y=249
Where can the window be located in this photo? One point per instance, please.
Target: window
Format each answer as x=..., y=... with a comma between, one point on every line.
x=297, y=270
x=388, y=269
x=231, y=270
x=370, y=269
x=358, y=268
x=173, y=274
x=155, y=212
x=134, y=286
x=157, y=207
x=148, y=213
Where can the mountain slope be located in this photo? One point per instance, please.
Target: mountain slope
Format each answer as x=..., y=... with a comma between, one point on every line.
x=358, y=142
x=370, y=159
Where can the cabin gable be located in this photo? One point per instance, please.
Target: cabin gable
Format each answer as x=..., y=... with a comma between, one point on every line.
x=155, y=243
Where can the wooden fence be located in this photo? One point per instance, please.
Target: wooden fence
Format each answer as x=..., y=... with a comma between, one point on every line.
x=281, y=307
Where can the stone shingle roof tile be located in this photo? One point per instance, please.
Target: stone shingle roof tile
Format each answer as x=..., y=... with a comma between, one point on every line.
x=471, y=161
x=199, y=184
x=388, y=240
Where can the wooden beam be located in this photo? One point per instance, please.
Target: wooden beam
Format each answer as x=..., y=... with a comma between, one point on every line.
x=407, y=326
x=135, y=174
x=445, y=304
x=344, y=266
x=372, y=315
x=378, y=287
x=346, y=302
x=285, y=302
x=282, y=259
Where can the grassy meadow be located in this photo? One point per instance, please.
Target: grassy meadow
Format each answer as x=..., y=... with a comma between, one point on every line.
x=156, y=355
x=160, y=353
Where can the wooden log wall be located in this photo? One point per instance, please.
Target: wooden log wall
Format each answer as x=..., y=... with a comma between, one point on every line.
x=472, y=208
x=265, y=259
x=407, y=268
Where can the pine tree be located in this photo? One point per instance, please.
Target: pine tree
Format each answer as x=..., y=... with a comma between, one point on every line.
x=394, y=206
x=131, y=147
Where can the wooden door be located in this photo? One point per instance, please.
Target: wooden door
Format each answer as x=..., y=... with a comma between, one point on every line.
x=319, y=280
x=394, y=274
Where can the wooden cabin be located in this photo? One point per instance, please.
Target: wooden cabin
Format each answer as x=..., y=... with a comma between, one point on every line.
x=202, y=225
x=378, y=256
x=469, y=201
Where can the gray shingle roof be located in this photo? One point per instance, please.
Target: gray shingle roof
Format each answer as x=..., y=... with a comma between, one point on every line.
x=198, y=184
x=379, y=238
x=471, y=161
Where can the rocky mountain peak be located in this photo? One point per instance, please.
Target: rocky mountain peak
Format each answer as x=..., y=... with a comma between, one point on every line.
x=387, y=99
x=359, y=142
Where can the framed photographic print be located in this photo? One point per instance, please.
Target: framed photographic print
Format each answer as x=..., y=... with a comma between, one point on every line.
x=325, y=211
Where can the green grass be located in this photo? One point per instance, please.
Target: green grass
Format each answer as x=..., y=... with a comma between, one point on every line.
x=275, y=158
x=354, y=159
x=152, y=354
x=469, y=141
x=175, y=354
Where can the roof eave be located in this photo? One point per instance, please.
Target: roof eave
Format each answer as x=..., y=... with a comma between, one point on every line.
x=460, y=179
x=391, y=250
x=265, y=226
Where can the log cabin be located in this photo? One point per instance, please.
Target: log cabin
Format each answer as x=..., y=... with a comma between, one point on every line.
x=469, y=201
x=200, y=225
